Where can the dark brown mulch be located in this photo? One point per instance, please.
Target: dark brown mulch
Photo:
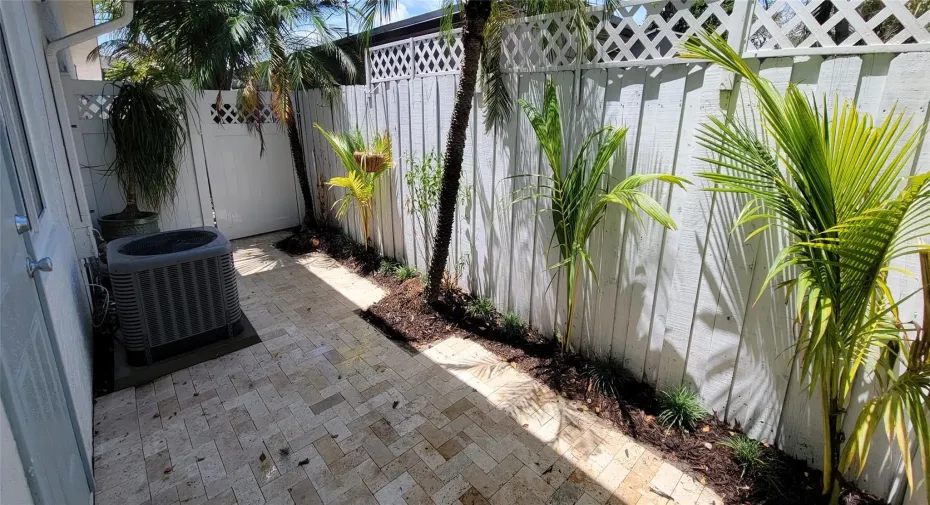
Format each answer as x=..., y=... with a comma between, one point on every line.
x=403, y=316
x=332, y=242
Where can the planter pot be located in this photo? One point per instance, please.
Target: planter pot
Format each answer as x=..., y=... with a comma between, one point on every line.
x=113, y=226
x=369, y=162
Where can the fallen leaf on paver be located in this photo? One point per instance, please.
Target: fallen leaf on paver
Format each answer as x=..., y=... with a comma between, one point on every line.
x=526, y=425
x=262, y=457
x=275, y=355
x=305, y=461
x=548, y=470
x=513, y=364
x=334, y=435
x=284, y=451
x=169, y=469
x=396, y=402
x=201, y=458
x=583, y=408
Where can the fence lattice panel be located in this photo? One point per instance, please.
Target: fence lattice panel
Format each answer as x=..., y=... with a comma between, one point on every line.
x=794, y=27
x=390, y=62
x=635, y=34
x=641, y=33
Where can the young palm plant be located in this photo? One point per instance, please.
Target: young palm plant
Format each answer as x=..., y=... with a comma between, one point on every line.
x=832, y=181
x=147, y=125
x=579, y=200
x=359, y=183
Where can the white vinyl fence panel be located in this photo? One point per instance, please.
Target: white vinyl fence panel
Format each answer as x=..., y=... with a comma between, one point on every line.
x=225, y=178
x=676, y=306
x=253, y=191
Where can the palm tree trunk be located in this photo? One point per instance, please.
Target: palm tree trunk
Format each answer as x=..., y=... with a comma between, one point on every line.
x=476, y=15
x=297, y=154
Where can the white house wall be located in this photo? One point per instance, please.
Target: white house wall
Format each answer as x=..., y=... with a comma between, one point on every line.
x=26, y=26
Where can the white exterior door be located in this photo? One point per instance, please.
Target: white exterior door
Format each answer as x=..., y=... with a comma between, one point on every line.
x=34, y=239
x=32, y=388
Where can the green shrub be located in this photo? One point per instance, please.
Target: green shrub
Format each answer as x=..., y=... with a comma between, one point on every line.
x=404, y=272
x=747, y=453
x=681, y=408
x=607, y=374
x=481, y=308
x=512, y=326
x=387, y=268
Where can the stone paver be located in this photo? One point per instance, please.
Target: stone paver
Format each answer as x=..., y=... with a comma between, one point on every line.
x=326, y=410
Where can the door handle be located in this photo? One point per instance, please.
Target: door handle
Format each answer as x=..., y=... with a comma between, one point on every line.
x=44, y=264
x=22, y=223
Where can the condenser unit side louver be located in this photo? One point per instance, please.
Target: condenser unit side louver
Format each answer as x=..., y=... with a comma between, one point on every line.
x=174, y=291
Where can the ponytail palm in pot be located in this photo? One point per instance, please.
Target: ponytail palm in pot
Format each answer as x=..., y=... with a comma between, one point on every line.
x=147, y=127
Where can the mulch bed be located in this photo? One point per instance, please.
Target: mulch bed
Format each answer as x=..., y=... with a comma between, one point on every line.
x=403, y=316
x=333, y=243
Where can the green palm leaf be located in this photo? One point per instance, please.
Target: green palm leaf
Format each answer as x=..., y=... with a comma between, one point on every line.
x=576, y=194
x=831, y=180
x=359, y=184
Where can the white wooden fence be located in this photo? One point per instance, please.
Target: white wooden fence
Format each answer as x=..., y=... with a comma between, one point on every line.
x=675, y=306
x=224, y=179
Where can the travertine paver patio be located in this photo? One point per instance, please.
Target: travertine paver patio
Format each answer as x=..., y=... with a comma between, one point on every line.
x=327, y=410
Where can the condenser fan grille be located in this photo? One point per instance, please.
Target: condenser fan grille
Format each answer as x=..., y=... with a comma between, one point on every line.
x=168, y=242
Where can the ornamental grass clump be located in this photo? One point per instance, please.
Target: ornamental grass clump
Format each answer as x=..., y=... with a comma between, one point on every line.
x=681, y=408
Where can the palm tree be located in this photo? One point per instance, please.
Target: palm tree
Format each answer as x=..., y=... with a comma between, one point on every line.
x=285, y=63
x=254, y=43
x=482, y=42
x=191, y=36
x=832, y=182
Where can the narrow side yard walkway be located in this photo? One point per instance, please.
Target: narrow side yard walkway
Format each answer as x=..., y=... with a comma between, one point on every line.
x=329, y=411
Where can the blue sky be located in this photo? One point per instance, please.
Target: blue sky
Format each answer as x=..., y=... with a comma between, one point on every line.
x=409, y=8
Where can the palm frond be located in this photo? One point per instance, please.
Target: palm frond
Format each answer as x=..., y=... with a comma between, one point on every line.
x=831, y=179
x=576, y=193
x=360, y=185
